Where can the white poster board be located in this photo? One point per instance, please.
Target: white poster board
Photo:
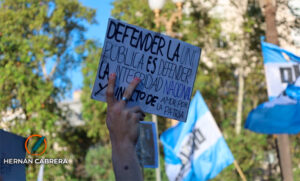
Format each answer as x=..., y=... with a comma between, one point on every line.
x=166, y=66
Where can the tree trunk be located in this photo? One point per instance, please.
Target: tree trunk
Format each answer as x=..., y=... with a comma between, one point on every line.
x=282, y=139
x=241, y=6
x=239, y=112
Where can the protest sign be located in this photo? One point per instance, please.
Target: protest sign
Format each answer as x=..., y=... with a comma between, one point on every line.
x=11, y=147
x=166, y=66
x=146, y=148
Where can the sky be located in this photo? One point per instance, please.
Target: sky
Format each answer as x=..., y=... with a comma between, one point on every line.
x=103, y=8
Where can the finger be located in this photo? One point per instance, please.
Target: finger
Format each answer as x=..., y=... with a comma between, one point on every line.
x=135, y=109
x=110, y=98
x=142, y=116
x=128, y=92
x=136, y=117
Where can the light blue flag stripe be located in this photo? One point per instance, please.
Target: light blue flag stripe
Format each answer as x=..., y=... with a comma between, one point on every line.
x=282, y=113
x=213, y=160
x=207, y=158
x=278, y=68
x=210, y=163
x=278, y=116
x=273, y=53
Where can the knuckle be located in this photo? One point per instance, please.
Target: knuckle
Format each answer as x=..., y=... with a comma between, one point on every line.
x=135, y=117
x=116, y=110
x=125, y=93
x=126, y=113
x=139, y=108
x=109, y=93
x=129, y=90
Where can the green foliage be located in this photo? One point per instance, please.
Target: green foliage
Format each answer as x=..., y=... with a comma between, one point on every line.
x=134, y=12
x=33, y=33
x=94, y=112
x=150, y=173
x=99, y=164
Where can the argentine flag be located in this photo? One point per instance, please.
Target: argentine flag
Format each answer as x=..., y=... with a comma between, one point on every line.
x=282, y=113
x=196, y=149
x=281, y=68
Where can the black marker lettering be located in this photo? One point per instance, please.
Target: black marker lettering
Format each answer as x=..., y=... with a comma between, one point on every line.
x=154, y=42
x=106, y=71
x=118, y=32
x=161, y=45
x=100, y=88
x=175, y=54
x=112, y=24
x=125, y=33
x=148, y=42
x=133, y=37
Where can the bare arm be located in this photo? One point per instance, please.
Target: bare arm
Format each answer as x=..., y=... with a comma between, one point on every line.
x=125, y=162
x=123, y=125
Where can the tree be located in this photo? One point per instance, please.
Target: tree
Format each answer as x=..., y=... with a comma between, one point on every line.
x=98, y=163
x=283, y=139
x=33, y=34
x=94, y=112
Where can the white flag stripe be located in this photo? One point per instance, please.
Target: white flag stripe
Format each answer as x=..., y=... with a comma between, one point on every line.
x=171, y=170
x=210, y=131
x=199, y=152
x=277, y=76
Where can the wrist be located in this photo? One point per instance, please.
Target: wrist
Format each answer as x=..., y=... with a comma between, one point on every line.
x=122, y=144
x=123, y=141
x=123, y=152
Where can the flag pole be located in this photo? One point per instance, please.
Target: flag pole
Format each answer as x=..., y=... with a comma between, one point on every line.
x=283, y=143
x=41, y=173
x=238, y=168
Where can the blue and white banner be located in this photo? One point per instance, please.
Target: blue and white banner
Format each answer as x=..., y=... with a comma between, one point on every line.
x=280, y=115
x=281, y=67
x=195, y=150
